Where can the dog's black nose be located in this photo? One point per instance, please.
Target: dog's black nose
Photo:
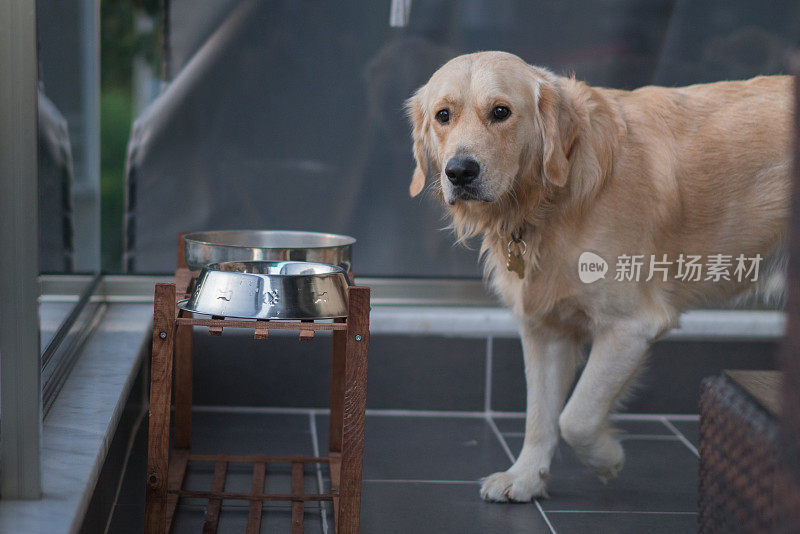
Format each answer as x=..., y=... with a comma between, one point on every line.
x=462, y=171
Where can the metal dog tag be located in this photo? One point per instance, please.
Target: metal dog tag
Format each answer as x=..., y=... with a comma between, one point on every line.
x=514, y=260
x=515, y=264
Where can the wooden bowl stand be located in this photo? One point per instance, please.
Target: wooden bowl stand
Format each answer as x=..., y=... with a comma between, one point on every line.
x=172, y=338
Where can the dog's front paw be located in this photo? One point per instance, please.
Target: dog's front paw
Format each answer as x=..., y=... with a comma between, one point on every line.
x=605, y=458
x=508, y=486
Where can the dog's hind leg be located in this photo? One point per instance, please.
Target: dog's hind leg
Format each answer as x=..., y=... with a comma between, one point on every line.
x=616, y=356
x=550, y=363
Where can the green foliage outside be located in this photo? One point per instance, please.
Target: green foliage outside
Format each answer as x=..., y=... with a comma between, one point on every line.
x=120, y=42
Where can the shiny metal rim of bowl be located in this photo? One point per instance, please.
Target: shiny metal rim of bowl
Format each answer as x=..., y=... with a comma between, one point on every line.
x=312, y=239
x=202, y=248
x=277, y=268
x=270, y=290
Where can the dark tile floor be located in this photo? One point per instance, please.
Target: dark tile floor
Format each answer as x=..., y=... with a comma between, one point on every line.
x=421, y=475
x=409, y=372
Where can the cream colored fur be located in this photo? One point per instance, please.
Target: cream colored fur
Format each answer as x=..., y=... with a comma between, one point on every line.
x=693, y=170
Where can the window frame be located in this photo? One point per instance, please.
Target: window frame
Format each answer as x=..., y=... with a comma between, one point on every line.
x=20, y=392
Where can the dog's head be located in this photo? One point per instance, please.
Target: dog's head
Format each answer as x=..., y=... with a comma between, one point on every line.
x=484, y=123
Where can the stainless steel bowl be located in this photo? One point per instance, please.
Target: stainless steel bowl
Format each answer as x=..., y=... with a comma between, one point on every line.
x=203, y=248
x=270, y=290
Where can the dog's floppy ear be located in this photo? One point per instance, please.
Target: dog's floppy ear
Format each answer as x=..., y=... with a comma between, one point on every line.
x=558, y=123
x=419, y=133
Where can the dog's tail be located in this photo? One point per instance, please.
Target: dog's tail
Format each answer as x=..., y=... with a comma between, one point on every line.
x=769, y=290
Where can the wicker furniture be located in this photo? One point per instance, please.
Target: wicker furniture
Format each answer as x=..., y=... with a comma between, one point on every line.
x=739, y=454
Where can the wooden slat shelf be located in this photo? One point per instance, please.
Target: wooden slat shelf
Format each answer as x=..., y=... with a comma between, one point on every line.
x=257, y=487
x=289, y=497
x=214, y=497
x=298, y=502
x=252, y=324
x=171, y=359
x=258, y=458
x=177, y=474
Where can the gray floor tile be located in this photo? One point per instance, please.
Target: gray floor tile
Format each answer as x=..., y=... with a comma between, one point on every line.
x=427, y=448
x=403, y=508
x=251, y=433
x=659, y=476
x=128, y=518
x=690, y=429
x=236, y=370
x=516, y=425
x=405, y=372
x=620, y=523
x=670, y=382
x=508, y=376
x=426, y=373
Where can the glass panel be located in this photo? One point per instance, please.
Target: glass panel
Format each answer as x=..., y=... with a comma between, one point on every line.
x=290, y=115
x=68, y=155
x=129, y=81
x=68, y=136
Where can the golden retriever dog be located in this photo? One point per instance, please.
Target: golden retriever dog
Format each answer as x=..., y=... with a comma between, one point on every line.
x=546, y=169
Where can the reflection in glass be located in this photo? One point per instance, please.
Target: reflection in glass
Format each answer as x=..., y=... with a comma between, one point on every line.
x=68, y=170
x=289, y=115
x=69, y=146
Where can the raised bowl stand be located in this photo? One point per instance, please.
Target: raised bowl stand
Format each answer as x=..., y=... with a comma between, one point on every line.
x=172, y=339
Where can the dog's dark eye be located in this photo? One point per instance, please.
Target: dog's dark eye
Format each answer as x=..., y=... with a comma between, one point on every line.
x=501, y=113
x=443, y=116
